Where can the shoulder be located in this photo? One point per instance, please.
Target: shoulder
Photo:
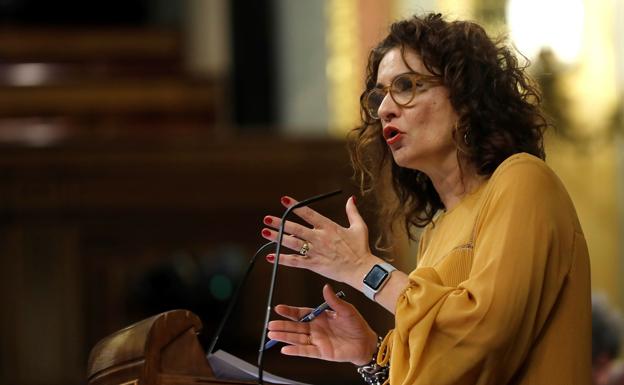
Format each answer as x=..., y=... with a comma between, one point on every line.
x=522, y=174
x=522, y=164
x=524, y=184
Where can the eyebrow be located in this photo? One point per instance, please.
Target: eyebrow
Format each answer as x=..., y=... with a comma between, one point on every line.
x=379, y=85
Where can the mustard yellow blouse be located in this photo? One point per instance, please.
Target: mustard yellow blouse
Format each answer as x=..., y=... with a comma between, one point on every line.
x=501, y=294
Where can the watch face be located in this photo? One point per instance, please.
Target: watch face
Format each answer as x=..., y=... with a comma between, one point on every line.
x=375, y=277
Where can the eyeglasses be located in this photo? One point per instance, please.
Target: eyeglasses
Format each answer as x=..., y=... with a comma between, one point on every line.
x=402, y=90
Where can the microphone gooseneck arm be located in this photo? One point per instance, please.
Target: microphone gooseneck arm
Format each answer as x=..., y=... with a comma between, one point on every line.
x=280, y=235
x=234, y=300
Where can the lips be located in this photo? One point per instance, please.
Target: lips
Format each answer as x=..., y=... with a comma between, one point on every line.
x=391, y=134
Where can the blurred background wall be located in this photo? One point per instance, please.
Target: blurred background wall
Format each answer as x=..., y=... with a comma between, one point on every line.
x=143, y=141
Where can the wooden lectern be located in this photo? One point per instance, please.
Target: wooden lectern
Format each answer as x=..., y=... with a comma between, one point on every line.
x=160, y=350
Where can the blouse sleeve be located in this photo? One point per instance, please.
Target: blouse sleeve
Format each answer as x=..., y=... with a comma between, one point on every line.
x=484, y=326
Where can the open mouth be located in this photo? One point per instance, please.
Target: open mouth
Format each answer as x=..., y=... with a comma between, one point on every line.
x=390, y=133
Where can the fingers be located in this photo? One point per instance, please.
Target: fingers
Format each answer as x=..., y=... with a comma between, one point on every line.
x=292, y=228
x=296, y=234
x=307, y=214
x=309, y=351
x=290, y=241
x=290, y=331
x=290, y=338
x=297, y=335
x=337, y=304
x=353, y=215
x=283, y=326
x=291, y=260
x=292, y=312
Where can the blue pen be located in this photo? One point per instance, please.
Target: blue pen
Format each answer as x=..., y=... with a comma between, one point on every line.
x=307, y=318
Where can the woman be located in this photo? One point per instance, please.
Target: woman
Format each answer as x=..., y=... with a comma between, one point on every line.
x=501, y=293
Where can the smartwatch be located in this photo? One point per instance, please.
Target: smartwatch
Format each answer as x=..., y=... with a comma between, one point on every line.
x=376, y=278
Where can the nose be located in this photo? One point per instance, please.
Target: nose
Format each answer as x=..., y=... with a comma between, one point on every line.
x=388, y=109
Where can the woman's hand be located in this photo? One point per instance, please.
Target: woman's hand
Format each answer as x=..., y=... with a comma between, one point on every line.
x=336, y=252
x=340, y=334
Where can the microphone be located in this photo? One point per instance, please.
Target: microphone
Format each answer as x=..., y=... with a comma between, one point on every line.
x=234, y=300
x=280, y=235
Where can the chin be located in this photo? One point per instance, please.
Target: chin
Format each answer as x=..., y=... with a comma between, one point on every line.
x=402, y=160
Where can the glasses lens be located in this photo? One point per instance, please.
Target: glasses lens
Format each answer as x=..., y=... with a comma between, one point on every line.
x=373, y=101
x=403, y=89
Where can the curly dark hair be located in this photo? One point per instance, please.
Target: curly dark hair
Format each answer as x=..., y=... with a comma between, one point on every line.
x=497, y=104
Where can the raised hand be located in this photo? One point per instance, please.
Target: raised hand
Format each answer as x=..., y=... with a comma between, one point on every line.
x=340, y=334
x=336, y=252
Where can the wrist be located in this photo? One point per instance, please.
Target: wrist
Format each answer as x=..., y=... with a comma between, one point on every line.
x=376, y=279
x=369, y=351
x=373, y=373
x=359, y=272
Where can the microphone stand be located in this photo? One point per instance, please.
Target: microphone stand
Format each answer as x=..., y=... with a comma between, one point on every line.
x=234, y=300
x=280, y=235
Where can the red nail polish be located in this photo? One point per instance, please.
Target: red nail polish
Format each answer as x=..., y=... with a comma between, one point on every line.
x=353, y=198
x=270, y=257
x=268, y=220
x=266, y=233
x=285, y=200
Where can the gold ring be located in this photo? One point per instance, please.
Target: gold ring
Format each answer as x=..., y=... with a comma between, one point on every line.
x=305, y=248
